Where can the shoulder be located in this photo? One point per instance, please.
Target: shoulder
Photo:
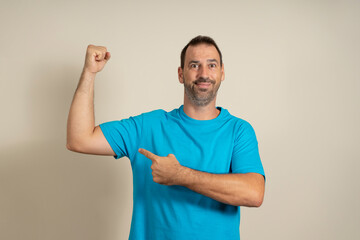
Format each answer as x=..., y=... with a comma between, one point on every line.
x=158, y=113
x=240, y=125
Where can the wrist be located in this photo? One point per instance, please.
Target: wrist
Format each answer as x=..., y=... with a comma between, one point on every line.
x=87, y=72
x=181, y=176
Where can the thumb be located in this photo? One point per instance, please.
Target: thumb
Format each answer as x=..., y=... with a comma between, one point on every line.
x=107, y=56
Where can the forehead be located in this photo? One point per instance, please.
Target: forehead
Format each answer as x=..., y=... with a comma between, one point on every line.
x=201, y=52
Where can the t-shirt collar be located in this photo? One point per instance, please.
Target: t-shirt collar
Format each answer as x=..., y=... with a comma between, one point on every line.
x=220, y=117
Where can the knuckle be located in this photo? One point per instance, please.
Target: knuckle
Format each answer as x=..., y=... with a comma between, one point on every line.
x=102, y=48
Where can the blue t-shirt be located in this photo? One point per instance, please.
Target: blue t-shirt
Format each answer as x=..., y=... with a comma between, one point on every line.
x=225, y=144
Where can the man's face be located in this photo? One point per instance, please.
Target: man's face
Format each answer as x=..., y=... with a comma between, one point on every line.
x=202, y=74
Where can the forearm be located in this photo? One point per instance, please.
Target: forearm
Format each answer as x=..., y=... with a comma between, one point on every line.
x=81, y=120
x=234, y=189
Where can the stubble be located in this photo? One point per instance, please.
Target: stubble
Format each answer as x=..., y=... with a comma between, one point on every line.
x=198, y=96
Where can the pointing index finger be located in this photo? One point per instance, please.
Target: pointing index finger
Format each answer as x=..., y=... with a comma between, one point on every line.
x=148, y=154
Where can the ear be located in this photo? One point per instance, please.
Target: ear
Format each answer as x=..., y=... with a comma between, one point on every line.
x=180, y=75
x=222, y=72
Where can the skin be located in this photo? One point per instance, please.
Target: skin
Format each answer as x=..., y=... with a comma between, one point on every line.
x=82, y=135
x=201, y=62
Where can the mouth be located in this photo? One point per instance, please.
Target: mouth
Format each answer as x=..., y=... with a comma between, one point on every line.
x=203, y=84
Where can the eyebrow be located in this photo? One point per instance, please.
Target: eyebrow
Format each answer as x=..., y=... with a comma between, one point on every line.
x=209, y=60
x=212, y=60
x=193, y=61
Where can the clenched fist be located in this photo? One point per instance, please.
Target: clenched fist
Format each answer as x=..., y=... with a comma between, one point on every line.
x=96, y=58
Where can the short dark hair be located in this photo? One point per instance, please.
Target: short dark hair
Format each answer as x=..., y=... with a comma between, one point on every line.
x=196, y=41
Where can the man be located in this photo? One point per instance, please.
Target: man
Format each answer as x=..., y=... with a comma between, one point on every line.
x=192, y=167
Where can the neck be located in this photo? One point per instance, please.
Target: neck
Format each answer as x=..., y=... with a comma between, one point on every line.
x=207, y=112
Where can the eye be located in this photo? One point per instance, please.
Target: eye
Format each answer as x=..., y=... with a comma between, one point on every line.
x=212, y=65
x=194, y=65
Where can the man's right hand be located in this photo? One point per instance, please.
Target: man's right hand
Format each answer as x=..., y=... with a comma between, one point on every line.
x=96, y=58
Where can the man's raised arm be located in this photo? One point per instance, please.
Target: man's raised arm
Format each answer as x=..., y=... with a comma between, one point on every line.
x=82, y=135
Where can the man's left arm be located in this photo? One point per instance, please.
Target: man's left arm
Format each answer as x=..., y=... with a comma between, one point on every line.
x=238, y=189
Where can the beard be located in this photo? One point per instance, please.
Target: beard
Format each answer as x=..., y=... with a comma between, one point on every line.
x=198, y=96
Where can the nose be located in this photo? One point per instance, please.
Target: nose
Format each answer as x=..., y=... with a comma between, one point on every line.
x=203, y=72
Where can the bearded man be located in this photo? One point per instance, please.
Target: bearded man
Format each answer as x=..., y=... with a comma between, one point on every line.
x=192, y=167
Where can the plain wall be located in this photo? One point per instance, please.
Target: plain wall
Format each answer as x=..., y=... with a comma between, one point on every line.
x=292, y=70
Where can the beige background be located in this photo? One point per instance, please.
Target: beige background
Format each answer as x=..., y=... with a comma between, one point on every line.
x=292, y=71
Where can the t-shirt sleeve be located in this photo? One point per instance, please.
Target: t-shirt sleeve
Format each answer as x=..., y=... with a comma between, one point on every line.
x=123, y=135
x=246, y=157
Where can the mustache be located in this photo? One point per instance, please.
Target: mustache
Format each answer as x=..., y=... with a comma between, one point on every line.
x=204, y=80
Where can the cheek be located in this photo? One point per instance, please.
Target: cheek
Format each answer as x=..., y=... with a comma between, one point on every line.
x=217, y=75
x=189, y=77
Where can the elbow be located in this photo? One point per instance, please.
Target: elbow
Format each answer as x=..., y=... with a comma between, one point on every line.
x=74, y=143
x=72, y=146
x=77, y=142
x=69, y=147
x=69, y=142
x=253, y=200
x=257, y=199
x=257, y=202
x=256, y=195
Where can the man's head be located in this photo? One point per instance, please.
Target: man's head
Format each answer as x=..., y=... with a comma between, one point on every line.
x=201, y=70
x=196, y=41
